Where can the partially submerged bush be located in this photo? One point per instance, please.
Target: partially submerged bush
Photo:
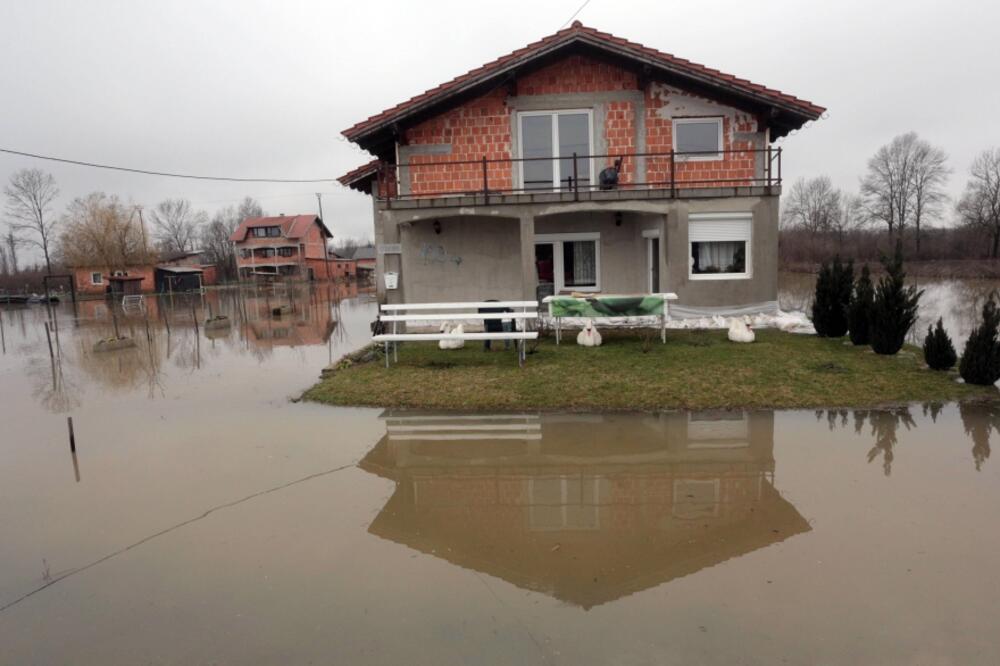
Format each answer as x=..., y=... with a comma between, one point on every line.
x=859, y=312
x=833, y=295
x=981, y=358
x=894, y=309
x=939, y=352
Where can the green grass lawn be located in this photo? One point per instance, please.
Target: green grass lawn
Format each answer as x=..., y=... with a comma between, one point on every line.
x=694, y=370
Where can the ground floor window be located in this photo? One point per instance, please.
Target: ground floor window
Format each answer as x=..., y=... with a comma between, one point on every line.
x=720, y=245
x=96, y=278
x=568, y=261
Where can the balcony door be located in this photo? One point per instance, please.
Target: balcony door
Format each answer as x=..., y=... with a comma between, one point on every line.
x=547, y=141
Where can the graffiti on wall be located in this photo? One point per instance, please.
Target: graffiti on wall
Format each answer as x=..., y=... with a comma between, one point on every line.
x=436, y=254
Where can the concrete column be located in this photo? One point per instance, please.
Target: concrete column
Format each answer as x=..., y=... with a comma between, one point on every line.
x=665, y=281
x=529, y=277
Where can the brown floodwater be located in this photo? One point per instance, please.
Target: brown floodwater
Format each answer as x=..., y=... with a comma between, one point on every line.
x=207, y=519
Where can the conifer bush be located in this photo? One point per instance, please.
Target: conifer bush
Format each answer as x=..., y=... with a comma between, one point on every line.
x=833, y=296
x=894, y=309
x=939, y=352
x=859, y=312
x=980, y=362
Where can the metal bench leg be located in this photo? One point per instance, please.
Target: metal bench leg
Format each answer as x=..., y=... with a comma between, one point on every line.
x=387, y=353
x=395, y=346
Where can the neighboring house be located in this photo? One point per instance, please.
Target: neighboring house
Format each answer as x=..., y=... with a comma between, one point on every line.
x=293, y=246
x=364, y=261
x=183, y=271
x=490, y=185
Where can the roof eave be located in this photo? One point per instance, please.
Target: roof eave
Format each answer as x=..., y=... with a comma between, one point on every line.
x=800, y=115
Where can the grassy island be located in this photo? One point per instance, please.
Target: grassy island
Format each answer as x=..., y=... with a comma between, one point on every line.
x=694, y=370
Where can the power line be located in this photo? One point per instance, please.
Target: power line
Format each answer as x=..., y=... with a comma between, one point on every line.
x=580, y=9
x=165, y=174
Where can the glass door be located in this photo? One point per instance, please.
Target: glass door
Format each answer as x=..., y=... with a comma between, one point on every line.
x=653, y=262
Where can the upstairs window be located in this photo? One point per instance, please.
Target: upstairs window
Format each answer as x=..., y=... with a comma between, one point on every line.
x=265, y=232
x=548, y=140
x=286, y=251
x=699, y=138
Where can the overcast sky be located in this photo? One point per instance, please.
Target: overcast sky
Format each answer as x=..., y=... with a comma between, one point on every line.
x=263, y=89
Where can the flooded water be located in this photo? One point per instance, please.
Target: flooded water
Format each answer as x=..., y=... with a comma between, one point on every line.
x=206, y=519
x=958, y=302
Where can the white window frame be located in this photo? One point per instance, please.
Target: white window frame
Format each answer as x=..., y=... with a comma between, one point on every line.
x=555, y=113
x=99, y=280
x=557, y=240
x=698, y=158
x=743, y=217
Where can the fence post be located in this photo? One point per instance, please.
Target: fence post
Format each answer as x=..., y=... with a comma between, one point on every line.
x=576, y=181
x=486, y=183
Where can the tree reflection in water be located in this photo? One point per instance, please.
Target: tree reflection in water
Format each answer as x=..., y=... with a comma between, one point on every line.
x=978, y=420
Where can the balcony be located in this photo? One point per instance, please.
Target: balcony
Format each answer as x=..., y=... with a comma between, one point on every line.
x=442, y=183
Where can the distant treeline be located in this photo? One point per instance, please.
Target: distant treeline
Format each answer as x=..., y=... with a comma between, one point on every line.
x=901, y=196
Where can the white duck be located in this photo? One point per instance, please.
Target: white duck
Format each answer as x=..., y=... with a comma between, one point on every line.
x=740, y=331
x=589, y=337
x=449, y=327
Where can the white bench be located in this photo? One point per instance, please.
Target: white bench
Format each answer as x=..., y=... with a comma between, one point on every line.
x=440, y=312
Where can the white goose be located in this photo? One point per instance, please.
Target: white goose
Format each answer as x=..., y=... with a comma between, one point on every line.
x=589, y=337
x=740, y=331
x=449, y=327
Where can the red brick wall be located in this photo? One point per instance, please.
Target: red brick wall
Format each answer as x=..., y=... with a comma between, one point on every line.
x=659, y=139
x=481, y=127
x=84, y=286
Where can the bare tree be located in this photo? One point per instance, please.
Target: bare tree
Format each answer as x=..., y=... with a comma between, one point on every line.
x=249, y=207
x=930, y=174
x=979, y=206
x=850, y=217
x=4, y=268
x=12, y=243
x=904, y=183
x=29, y=196
x=215, y=235
x=176, y=224
x=100, y=230
x=813, y=205
x=886, y=187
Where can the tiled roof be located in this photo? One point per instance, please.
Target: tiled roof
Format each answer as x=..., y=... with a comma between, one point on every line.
x=359, y=174
x=583, y=34
x=292, y=226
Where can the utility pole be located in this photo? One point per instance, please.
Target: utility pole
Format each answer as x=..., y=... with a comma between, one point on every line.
x=326, y=245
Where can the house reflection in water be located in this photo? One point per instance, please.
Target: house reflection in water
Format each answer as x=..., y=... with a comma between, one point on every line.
x=585, y=508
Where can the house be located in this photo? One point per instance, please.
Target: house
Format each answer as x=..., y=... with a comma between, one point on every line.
x=504, y=494
x=293, y=246
x=364, y=262
x=180, y=271
x=581, y=163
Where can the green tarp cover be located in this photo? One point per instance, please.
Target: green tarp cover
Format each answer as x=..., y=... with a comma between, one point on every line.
x=606, y=306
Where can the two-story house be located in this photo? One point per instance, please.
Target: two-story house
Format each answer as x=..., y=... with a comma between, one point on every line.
x=581, y=163
x=293, y=246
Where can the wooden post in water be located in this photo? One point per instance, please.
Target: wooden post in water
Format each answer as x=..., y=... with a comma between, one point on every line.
x=3, y=336
x=52, y=356
x=114, y=321
x=72, y=436
x=194, y=316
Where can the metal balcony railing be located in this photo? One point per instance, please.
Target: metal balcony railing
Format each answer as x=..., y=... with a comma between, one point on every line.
x=495, y=181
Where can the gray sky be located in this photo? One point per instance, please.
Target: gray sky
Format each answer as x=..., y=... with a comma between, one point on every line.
x=263, y=89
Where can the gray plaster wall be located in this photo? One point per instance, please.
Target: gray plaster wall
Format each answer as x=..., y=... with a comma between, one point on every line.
x=762, y=286
x=472, y=259
x=495, y=245
x=624, y=262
